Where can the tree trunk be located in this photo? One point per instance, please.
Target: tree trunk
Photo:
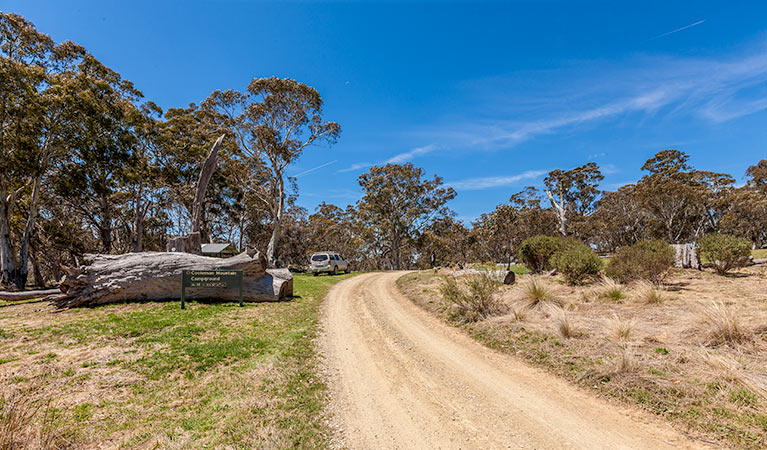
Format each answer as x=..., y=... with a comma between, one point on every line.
x=157, y=277
x=395, y=251
x=559, y=211
x=271, y=249
x=28, y=229
x=192, y=243
x=685, y=256
x=208, y=167
x=7, y=259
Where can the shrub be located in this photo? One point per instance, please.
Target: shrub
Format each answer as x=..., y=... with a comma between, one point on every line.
x=536, y=252
x=577, y=262
x=725, y=252
x=645, y=260
x=473, y=303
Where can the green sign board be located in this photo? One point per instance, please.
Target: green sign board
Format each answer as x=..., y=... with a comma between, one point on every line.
x=224, y=279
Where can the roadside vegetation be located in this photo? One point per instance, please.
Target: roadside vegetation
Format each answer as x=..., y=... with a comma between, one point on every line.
x=149, y=374
x=692, y=349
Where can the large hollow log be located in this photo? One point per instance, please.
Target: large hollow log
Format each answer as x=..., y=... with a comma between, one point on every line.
x=157, y=276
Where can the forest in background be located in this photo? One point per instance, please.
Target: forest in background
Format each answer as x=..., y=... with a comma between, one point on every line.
x=88, y=165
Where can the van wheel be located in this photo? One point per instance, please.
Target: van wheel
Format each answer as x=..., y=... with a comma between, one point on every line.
x=335, y=270
x=348, y=269
x=315, y=273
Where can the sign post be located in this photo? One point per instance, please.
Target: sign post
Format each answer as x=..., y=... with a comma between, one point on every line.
x=210, y=279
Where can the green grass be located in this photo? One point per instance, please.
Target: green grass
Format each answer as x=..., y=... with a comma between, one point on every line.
x=213, y=375
x=759, y=253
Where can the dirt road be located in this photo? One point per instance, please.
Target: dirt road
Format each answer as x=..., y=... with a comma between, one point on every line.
x=402, y=379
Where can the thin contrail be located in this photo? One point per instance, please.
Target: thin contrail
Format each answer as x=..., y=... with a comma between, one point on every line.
x=316, y=168
x=680, y=29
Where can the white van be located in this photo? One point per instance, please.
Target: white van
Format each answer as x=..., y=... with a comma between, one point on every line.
x=330, y=262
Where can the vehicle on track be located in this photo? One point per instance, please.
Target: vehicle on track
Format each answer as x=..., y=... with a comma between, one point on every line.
x=328, y=262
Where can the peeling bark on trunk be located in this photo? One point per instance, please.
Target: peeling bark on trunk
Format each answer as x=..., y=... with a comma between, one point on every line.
x=192, y=243
x=685, y=256
x=157, y=277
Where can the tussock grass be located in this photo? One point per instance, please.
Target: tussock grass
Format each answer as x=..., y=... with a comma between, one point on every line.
x=564, y=325
x=724, y=326
x=16, y=412
x=647, y=292
x=622, y=328
x=610, y=289
x=627, y=362
x=537, y=293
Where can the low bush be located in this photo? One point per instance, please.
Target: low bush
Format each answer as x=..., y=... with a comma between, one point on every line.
x=577, y=262
x=646, y=260
x=725, y=252
x=536, y=252
x=473, y=302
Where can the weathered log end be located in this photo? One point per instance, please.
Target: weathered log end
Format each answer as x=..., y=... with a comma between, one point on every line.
x=153, y=276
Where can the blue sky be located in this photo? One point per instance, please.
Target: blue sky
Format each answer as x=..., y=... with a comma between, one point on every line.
x=490, y=96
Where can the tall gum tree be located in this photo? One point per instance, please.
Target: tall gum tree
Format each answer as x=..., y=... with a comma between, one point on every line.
x=573, y=193
x=33, y=114
x=273, y=121
x=398, y=203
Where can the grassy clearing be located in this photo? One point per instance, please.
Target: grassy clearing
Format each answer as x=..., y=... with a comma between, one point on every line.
x=149, y=374
x=759, y=253
x=700, y=366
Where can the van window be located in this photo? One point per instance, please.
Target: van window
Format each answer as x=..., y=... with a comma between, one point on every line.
x=319, y=257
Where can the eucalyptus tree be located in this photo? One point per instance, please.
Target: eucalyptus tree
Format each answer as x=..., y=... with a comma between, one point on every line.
x=34, y=72
x=101, y=141
x=398, y=203
x=273, y=122
x=573, y=193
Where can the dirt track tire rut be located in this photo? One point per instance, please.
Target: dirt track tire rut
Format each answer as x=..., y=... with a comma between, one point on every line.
x=399, y=378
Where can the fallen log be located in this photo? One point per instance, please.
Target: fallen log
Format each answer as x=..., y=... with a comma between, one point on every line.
x=157, y=276
x=26, y=295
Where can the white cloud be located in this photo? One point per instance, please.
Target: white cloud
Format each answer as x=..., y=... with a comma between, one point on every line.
x=306, y=172
x=396, y=159
x=409, y=155
x=355, y=166
x=591, y=93
x=474, y=184
x=680, y=29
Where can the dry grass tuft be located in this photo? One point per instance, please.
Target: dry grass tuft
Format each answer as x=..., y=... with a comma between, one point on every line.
x=16, y=413
x=610, y=289
x=564, y=325
x=627, y=362
x=728, y=370
x=647, y=292
x=622, y=328
x=518, y=312
x=536, y=293
x=724, y=325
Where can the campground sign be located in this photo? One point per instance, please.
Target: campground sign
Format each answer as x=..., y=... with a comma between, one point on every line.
x=223, y=279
